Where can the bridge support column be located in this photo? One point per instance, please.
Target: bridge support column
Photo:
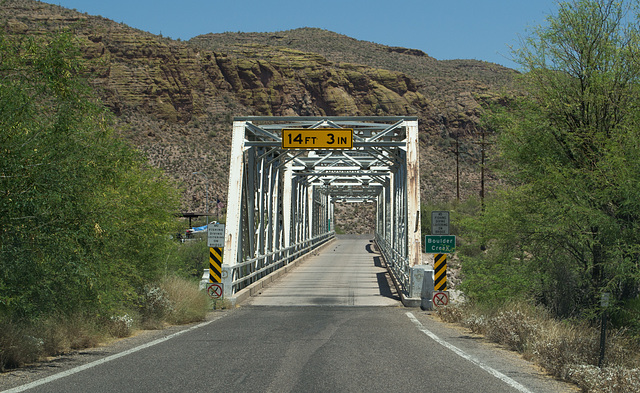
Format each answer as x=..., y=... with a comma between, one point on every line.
x=234, y=210
x=413, y=195
x=287, y=201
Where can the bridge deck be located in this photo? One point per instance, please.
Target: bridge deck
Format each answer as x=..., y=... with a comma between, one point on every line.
x=347, y=273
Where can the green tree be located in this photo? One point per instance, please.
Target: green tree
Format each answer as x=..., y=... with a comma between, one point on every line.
x=566, y=226
x=84, y=220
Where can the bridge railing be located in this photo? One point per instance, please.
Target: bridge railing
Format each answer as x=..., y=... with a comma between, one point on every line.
x=281, y=195
x=398, y=264
x=243, y=274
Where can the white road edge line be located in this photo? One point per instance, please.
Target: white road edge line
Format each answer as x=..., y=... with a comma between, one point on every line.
x=468, y=357
x=75, y=370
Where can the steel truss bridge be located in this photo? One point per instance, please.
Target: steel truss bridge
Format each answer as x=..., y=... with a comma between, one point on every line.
x=281, y=199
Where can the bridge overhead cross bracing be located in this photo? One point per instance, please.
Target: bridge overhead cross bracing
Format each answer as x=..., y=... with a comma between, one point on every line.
x=281, y=198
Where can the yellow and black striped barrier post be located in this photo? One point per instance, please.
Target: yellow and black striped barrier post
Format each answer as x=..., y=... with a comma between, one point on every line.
x=215, y=264
x=440, y=272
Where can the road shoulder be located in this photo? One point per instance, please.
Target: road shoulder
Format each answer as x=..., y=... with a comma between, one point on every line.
x=494, y=356
x=68, y=361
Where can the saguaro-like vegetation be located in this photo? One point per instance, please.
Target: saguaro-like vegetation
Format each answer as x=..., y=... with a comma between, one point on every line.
x=567, y=226
x=84, y=221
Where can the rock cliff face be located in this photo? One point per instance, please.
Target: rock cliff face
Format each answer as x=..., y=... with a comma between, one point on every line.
x=176, y=81
x=280, y=81
x=175, y=100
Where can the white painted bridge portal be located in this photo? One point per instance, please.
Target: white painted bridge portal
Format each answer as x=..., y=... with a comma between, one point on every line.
x=286, y=173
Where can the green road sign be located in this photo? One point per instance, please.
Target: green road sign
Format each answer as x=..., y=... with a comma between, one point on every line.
x=444, y=244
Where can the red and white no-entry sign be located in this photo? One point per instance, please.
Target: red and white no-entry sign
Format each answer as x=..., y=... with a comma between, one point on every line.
x=215, y=290
x=440, y=298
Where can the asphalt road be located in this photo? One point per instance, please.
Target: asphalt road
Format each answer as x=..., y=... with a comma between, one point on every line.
x=340, y=343
x=349, y=272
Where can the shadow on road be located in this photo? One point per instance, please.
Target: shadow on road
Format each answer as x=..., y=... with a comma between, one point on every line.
x=385, y=288
x=383, y=277
x=370, y=248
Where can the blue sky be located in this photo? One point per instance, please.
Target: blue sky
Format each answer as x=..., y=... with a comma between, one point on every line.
x=444, y=29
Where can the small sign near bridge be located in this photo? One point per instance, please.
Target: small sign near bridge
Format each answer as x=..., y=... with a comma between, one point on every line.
x=439, y=244
x=215, y=234
x=215, y=290
x=439, y=222
x=440, y=298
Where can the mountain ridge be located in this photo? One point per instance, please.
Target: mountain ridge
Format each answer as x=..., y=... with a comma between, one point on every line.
x=175, y=100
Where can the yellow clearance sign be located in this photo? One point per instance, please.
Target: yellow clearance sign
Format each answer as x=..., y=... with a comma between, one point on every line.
x=317, y=138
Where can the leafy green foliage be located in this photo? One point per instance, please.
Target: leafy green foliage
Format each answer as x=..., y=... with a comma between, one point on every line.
x=456, y=210
x=565, y=228
x=188, y=259
x=84, y=220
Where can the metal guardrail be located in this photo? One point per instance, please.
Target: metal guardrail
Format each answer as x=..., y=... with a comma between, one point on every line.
x=245, y=273
x=398, y=264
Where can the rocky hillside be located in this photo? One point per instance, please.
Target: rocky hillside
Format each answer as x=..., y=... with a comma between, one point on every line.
x=445, y=82
x=175, y=100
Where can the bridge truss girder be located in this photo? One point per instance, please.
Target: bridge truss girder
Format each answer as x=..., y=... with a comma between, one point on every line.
x=281, y=200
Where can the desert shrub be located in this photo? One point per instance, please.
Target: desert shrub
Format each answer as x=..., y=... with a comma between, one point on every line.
x=188, y=302
x=55, y=340
x=120, y=325
x=23, y=342
x=154, y=306
x=451, y=313
x=567, y=349
x=512, y=328
x=62, y=333
x=606, y=380
x=560, y=345
x=477, y=323
x=511, y=325
x=174, y=300
x=17, y=347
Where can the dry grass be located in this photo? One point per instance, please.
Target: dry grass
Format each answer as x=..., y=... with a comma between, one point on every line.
x=61, y=334
x=568, y=350
x=605, y=380
x=189, y=304
x=16, y=346
x=23, y=343
x=173, y=301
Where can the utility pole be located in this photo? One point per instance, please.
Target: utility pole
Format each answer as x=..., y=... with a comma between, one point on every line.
x=483, y=145
x=457, y=168
x=457, y=153
x=482, y=172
